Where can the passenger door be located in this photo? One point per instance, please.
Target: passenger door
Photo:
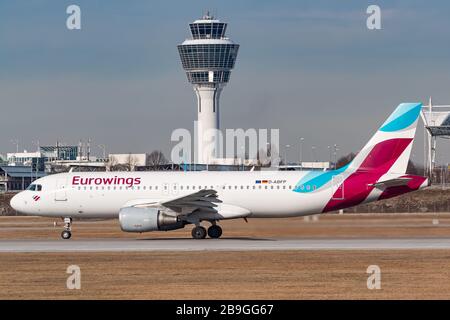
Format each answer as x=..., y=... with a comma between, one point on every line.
x=338, y=187
x=61, y=189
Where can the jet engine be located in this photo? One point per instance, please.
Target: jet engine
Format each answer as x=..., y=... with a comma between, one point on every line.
x=147, y=219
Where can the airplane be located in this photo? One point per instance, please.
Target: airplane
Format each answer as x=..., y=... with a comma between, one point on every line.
x=163, y=201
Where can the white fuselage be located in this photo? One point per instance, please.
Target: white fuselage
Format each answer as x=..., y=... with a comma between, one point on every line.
x=103, y=194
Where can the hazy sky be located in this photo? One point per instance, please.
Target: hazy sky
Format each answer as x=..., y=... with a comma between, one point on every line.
x=310, y=68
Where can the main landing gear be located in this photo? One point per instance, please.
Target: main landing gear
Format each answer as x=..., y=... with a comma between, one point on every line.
x=66, y=234
x=199, y=232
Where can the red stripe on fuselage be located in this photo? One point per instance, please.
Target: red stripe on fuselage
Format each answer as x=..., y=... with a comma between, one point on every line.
x=357, y=186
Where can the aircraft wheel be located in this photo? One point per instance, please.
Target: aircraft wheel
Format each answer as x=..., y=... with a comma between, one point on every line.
x=199, y=232
x=66, y=234
x=214, y=231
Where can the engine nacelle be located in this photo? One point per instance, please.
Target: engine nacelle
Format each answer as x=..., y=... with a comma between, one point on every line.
x=147, y=219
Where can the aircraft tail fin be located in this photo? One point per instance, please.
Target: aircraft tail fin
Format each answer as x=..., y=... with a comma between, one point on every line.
x=389, y=149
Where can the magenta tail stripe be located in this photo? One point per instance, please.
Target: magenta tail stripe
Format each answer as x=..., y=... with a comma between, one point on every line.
x=379, y=160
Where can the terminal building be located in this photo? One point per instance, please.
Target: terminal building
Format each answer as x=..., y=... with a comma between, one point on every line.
x=17, y=177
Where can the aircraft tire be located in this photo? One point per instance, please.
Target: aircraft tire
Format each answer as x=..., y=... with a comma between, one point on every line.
x=214, y=231
x=199, y=232
x=66, y=234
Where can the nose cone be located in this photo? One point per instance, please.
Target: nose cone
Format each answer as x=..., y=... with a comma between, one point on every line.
x=17, y=202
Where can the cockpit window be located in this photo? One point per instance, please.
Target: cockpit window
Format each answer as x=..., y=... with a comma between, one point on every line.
x=34, y=187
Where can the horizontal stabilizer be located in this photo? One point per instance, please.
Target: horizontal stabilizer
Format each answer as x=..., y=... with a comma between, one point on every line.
x=397, y=182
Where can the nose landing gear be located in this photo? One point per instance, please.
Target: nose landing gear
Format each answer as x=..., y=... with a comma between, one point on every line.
x=67, y=232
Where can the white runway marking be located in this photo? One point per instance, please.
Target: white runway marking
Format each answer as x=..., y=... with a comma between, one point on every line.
x=227, y=244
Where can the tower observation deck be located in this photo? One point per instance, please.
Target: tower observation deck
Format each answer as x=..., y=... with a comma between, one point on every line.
x=208, y=58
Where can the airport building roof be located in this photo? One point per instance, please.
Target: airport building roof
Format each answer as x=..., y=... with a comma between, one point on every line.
x=21, y=172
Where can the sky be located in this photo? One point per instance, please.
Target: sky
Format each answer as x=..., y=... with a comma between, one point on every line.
x=310, y=68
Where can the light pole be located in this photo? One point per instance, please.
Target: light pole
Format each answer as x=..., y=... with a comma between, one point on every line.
x=37, y=160
x=313, y=149
x=103, y=147
x=16, y=142
x=335, y=155
x=37, y=144
x=301, y=155
x=329, y=157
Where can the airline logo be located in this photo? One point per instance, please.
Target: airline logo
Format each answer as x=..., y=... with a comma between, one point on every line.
x=78, y=180
x=36, y=198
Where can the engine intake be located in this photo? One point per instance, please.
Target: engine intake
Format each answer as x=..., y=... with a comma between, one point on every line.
x=147, y=219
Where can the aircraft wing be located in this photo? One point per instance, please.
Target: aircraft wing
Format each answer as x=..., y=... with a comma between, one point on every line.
x=203, y=200
x=204, y=204
x=397, y=182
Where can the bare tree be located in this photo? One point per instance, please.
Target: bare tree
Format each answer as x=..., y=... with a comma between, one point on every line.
x=264, y=156
x=411, y=168
x=156, y=159
x=111, y=164
x=128, y=165
x=345, y=160
x=131, y=162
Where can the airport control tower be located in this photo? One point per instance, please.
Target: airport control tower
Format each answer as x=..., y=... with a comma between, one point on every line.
x=208, y=58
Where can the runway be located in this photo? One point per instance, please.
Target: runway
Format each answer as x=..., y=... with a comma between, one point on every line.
x=226, y=244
